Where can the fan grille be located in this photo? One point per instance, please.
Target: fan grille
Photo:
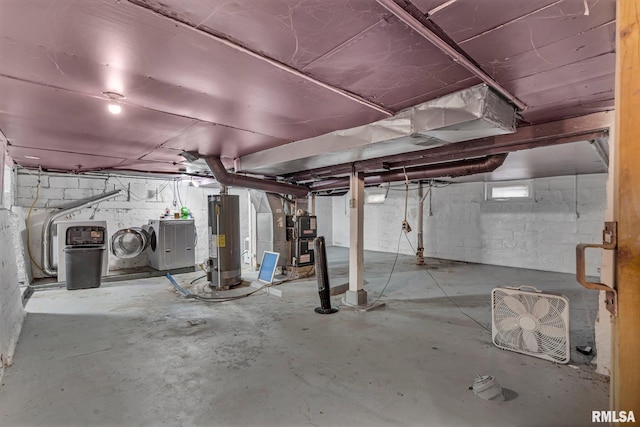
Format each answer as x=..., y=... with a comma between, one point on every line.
x=531, y=323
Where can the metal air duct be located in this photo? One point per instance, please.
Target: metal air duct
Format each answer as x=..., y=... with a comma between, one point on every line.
x=234, y=180
x=271, y=226
x=46, y=227
x=412, y=16
x=472, y=113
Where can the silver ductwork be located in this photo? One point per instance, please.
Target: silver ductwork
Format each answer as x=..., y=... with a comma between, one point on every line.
x=271, y=225
x=46, y=227
x=473, y=113
x=413, y=17
x=450, y=169
x=233, y=180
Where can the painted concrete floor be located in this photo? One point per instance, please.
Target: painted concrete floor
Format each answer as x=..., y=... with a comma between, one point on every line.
x=136, y=353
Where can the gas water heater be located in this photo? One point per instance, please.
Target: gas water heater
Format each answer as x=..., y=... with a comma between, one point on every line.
x=224, y=241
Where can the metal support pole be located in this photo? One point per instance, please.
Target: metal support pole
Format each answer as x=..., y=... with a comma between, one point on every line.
x=420, y=250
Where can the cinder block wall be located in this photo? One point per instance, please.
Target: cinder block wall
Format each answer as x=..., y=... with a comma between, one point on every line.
x=324, y=218
x=540, y=234
x=141, y=199
x=11, y=311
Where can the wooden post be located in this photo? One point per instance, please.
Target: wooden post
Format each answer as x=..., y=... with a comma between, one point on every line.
x=626, y=346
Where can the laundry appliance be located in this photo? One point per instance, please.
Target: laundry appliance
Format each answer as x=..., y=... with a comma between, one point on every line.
x=171, y=243
x=60, y=243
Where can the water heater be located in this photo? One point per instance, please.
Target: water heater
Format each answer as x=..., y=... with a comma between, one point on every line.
x=224, y=241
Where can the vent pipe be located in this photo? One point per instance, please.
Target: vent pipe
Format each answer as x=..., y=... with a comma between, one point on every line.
x=234, y=180
x=46, y=227
x=450, y=169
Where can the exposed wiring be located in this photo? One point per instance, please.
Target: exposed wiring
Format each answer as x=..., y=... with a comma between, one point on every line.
x=454, y=303
x=406, y=193
x=33, y=261
x=196, y=279
x=393, y=267
x=386, y=193
x=432, y=183
x=443, y=185
x=189, y=295
x=106, y=184
x=409, y=241
x=134, y=195
x=430, y=200
x=426, y=194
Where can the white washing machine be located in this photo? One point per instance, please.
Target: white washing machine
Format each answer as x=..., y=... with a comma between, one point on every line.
x=171, y=243
x=60, y=243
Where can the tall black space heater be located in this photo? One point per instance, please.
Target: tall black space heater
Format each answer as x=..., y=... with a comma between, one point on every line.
x=322, y=274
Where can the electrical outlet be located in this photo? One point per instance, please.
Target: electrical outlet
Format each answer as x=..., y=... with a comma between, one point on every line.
x=406, y=227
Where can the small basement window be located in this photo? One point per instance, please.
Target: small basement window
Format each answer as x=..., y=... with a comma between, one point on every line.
x=513, y=190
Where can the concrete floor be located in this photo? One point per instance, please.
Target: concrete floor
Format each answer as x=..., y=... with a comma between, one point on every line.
x=135, y=353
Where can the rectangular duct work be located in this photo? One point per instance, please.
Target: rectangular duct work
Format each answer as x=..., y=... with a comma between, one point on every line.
x=472, y=113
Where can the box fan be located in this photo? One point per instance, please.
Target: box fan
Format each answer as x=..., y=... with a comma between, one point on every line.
x=531, y=322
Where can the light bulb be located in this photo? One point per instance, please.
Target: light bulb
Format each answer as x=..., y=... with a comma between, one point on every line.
x=114, y=108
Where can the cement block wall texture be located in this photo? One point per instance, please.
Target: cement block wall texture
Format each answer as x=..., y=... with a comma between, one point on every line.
x=8, y=192
x=11, y=311
x=324, y=218
x=141, y=199
x=539, y=234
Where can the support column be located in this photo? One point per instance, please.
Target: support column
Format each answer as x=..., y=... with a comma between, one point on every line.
x=356, y=295
x=420, y=250
x=626, y=338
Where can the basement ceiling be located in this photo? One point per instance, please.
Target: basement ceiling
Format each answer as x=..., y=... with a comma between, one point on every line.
x=577, y=158
x=235, y=78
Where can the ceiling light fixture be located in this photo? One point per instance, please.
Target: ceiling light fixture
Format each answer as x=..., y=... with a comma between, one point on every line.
x=32, y=157
x=114, y=107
